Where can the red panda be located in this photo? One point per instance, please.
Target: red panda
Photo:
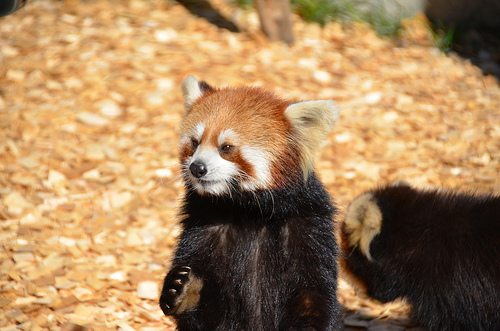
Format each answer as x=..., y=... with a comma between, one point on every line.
x=436, y=248
x=257, y=250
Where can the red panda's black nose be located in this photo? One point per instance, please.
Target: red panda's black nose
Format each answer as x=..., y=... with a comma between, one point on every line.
x=198, y=169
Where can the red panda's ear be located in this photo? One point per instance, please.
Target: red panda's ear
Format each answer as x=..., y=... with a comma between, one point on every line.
x=312, y=121
x=193, y=90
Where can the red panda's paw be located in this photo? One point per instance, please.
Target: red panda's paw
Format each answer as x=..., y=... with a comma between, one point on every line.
x=181, y=291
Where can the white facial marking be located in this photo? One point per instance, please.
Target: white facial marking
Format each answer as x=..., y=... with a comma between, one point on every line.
x=195, y=133
x=220, y=172
x=199, y=129
x=226, y=135
x=260, y=161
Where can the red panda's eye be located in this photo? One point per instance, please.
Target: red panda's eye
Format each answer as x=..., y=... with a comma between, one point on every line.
x=226, y=148
x=194, y=142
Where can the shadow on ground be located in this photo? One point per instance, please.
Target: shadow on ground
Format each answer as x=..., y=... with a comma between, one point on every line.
x=356, y=321
x=203, y=9
x=471, y=30
x=479, y=45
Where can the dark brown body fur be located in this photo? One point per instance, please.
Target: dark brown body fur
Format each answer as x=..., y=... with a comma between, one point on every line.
x=267, y=261
x=438, y=249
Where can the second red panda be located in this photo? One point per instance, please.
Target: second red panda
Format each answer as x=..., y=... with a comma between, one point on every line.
x=257, y=250
x=438, y=249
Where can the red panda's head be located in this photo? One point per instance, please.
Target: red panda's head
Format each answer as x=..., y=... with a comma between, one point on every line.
x=247, y=138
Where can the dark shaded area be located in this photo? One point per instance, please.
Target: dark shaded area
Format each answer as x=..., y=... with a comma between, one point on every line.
x=355, y=321
x=471, y=28
x=482, y=47
x=202, y=8
x=7, y=7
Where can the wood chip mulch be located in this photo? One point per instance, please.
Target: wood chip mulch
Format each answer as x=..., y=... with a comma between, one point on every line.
x=90, y=104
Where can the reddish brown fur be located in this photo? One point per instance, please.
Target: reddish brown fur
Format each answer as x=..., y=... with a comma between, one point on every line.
x=245, y=166
x=257, y=116
x=185, y=151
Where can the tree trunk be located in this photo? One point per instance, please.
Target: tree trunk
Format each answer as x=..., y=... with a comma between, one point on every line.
x=275, y=19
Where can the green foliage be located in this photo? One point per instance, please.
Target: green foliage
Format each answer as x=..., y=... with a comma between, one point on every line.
x=384, y=24
x=324, y=11
x=245, y=4
x=344, y=11
x=444, y=36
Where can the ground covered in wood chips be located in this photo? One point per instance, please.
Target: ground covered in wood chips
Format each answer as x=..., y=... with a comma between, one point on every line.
x=90, y=103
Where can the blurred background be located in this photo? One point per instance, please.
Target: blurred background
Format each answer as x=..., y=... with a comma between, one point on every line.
x=90, y=104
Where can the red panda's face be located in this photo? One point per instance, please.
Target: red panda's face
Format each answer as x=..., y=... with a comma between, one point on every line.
x=232, y=139
x=248, y=139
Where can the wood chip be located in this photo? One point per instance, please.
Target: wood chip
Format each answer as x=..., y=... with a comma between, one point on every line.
x=73, y=327
x=92, y=119
x=109, y=108
x=147, y=290
x=125, y=327
x=63, y=302
x=95, y=283
x=4, y=301
x=45, y=280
